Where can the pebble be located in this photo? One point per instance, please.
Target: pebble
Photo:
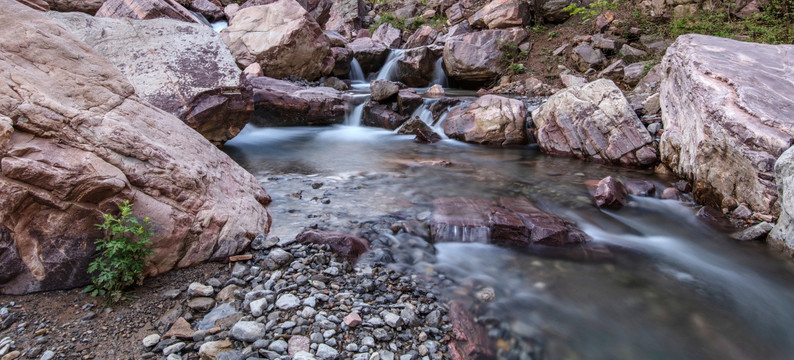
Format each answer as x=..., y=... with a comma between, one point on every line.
x=199, y=289
x=391, y=319
x=151, y=340
x=308, y=312
x=202, y=304
x=258, y=307
x=287, y=301
x=382, y=334
x=248, y=331
x=48, y=355
x=298, y=343
x=279, y=346
x=173, y=349
x=303, y=355
x=325, y=352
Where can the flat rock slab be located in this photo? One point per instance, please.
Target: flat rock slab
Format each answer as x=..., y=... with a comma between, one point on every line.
x=728, y=114
x=145, y=10
x=510, y=221
x=282, y=103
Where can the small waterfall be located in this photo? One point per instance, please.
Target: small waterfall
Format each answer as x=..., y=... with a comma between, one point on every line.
x=353, y=118
x=389, y=69
x=356, y=74
x=426, y=115
x=439, y=77
x=219, y=25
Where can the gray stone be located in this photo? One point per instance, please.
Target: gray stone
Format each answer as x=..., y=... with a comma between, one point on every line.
x=202, y=304
x=173, y=349
x=279, y=346
x=248, y=331
x=325, y=352
x=585, y=57
x=382, y=334
x=755, y=232
x=279, y=257
x=151, y=340
x=258, y=307
x=48, y=355
x=199, y=289
x=391, y=319
x=298, y=343
x=287, y=302
x=303, y=355
x=308, y=312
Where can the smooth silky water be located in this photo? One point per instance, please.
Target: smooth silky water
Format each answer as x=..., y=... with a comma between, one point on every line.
x=673, y=288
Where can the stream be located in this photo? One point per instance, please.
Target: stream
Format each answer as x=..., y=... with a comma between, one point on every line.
x=671, y=287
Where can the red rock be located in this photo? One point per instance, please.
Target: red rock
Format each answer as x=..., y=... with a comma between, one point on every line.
x=344, y=245
x=181, y=329
x=470, y=339
x=640, y=187
x=145, y=10
x=380, y=115
x=415, y=68
x=672, y=193
x=352, y=320
x=39, y=5
x=609, y=193
x=282, y=103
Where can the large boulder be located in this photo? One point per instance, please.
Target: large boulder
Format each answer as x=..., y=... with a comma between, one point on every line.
x=415, y=68
x=282, y=103
x=593, y=122
x=782, y=235
x=490, y=120
x=345, y=17
x=425, y=35
x=369, y=53
x=282, y=37
x=500, y=14
x=184, y=69
x=146, y=10
x=474, y=59
x=728, y=114
x=75, y=141
x=381, y=116
x=552, y=11
x=320, y=10
x=389, y=35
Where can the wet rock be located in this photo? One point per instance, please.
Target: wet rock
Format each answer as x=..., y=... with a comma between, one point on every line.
x=672, y=193
x=490, y=120
x=381, y=90
x=742, y=212
x=724, y=125
x=282, y=103
x=415, y=68
x=424, y=134
x=369, y=53
x=146, y=10
x=408, y=101
x=166, y=61
x=435, y=91
x=609, y=193
x=388, y=35
x=346, y=246
x=470, y=340
x=714, y=218
x=500, y=14
x=212, y=11
x=95, y=170
x=380, y=115
x=640, y=187
x=289, y=41
x=756, y=232
x=593, y=122
x=473, y=60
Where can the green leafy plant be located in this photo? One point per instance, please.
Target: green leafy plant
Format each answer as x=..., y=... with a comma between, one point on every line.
x=593, y=10
x=518, y=69
x=124, y=250
x=772, y=26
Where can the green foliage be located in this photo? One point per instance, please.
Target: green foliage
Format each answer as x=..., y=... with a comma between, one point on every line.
x=593, y=10
x=407, y=24
x=123, y=254
x=775, y=25
x=518, y=68
x=512, y=57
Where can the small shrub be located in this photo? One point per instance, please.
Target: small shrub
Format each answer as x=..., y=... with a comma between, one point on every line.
x=518, y=68
x=124, y=250
x=594, y=9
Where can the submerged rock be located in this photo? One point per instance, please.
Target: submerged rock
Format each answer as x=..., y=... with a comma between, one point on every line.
x=184, y=69
x=593, y=122
x=609, y=193
x=75, y=141
x=490, y=120
x=728, y=114
x=282, y=37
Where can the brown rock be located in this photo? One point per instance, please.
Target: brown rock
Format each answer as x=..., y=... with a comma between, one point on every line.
x=253, y=70
x=470, y=339
x=436, y=91
x=82, y=143
x=380, y=115
x=500, y=14
x=167, y=62
x=381, y=90
x=640, y=187
x=352, y=320
x=282, y=103
x=39, y=5
x=593, y=122
x=227, y=294
x=672, y=193
x=425, y=35
x=408, y=101
x=344, y=245
x=389, y=35
x=424, y=134
x=211, y=10
x=474, y=59
x=369, y=53
x=609, y=193
x=415, y=67
x=345, y=17
x=89, y=7
x=181, y=329
x=490, y=120
x=728, y=115
x=145, y=10
x=342, y=58
x=282, y=37
x=211, y=349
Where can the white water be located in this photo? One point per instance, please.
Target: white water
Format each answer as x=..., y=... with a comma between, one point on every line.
x=219, y=25
x=424, y=114
x=353, y=117
x=356, y=74
x=439, y=77
x=389, y=69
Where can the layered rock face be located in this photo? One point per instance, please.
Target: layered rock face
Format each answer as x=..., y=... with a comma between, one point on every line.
x=75, y=141
x=728, y=114
x=145, y=10
x=184, y=69
x=782, y=235
x=345, y=17
x=282, y=103
x=282, y=37
x=87, y=6
x=490, y=120
x=473, y=59
x=593, y=122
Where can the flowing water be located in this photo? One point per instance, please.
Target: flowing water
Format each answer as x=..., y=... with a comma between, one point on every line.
x=671, y=287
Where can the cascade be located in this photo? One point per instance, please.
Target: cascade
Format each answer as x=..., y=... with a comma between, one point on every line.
x=356, y=74
x=439, y=77
x=389, y=69
x=353, y=117
x=219, y=25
